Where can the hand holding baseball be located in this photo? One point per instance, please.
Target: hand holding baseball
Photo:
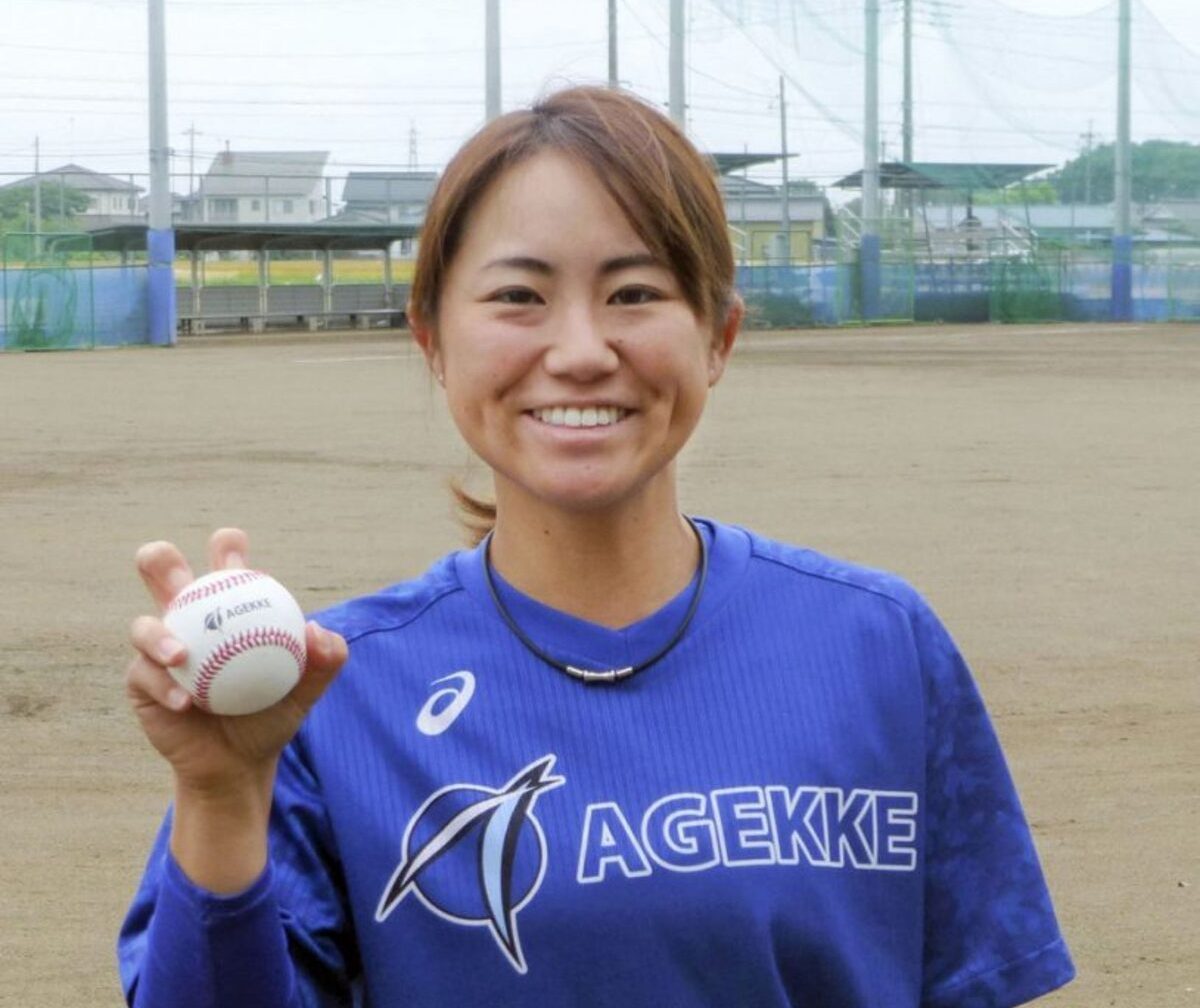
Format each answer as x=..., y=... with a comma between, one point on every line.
x=210, y=751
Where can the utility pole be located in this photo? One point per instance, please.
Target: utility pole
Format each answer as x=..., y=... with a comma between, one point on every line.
x=191, y=133
x=492, y=57
x=160, y=238
x=869, y=252
x=612, y=44
x=1088, y=138
x=675, y=61
x=37, y=196
x=1122, y=270
x=785, y=221
x=906, y=141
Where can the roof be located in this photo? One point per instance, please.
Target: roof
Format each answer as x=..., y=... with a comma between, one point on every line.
x=945, y=175
x=77, y=177
x=1055, y=216
x=749, y=202
x=245, y=173
x=235, y=237
x=726, y=162
x=385, y=188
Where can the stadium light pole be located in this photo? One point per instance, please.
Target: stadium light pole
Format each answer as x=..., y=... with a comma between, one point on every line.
x=492, y=57
x=1122, y=267
x=675, y=65
x=160, y=238
x=869, y=257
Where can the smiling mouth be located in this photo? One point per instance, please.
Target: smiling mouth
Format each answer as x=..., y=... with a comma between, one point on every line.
x=580, y=416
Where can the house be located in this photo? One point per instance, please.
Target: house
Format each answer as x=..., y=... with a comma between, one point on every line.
x=755, y=214
x=110, y=200
x=383, y=197
x=256, y=187
x=1179, y=219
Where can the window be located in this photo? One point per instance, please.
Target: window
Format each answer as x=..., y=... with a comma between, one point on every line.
x=224, y=209
x=255, y=204
x=288, y=206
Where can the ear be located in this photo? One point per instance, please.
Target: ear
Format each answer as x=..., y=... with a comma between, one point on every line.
x=426, y=339
x=723, y=339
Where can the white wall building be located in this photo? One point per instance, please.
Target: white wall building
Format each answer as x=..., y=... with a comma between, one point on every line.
x=256, y=187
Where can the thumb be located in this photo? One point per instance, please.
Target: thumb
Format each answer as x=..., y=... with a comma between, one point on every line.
x=327, y=653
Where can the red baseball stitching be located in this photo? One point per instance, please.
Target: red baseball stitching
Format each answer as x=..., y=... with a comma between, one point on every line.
x=190, y=595
x=239, y=644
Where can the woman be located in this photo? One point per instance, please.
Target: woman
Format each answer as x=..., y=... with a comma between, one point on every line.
x=612, y=755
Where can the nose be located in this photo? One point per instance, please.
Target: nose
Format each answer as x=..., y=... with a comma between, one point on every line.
x=580, y=350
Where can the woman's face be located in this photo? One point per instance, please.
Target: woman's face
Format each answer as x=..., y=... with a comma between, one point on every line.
x=572, y=364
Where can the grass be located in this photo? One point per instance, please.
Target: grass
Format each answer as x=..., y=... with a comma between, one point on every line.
x=283, y=272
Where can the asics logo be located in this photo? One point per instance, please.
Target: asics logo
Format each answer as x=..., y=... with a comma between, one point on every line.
x=446, y=704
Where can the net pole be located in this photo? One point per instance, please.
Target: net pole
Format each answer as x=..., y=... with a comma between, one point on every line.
x=675, y=67
x=492, y=57
x=869, y=251
x=1122, y=268
x=160, y=238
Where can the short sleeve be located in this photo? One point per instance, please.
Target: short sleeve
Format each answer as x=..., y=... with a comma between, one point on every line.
x=288, y=933
x=991, y=939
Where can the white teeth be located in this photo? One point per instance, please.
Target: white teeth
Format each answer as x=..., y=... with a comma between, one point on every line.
x=575, y=416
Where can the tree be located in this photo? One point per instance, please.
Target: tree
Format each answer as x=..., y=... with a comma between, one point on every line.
x=1161, y=170
x=1038, y=191
x=16, y=206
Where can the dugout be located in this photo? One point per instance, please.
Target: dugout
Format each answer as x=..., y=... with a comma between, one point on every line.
x=253, y=307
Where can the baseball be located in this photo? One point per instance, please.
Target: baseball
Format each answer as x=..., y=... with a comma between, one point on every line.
x=244, y=635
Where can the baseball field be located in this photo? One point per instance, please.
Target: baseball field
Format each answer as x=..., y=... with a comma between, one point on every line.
x=1040, y=485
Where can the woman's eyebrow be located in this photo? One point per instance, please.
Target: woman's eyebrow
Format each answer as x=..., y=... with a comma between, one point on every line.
x=522, y=262
x=540, y=266
x=628, y=262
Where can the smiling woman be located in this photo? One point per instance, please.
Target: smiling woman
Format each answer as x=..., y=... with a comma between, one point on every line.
x=543, y=760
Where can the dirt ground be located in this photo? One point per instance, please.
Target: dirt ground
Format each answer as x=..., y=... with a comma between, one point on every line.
x=1039, y=485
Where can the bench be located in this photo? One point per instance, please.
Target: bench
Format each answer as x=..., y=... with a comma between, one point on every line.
x=362, y=305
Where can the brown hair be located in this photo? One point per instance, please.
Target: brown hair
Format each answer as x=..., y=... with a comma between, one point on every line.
x=664, y=186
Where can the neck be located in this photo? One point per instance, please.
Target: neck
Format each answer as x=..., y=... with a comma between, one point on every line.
x=612, y=566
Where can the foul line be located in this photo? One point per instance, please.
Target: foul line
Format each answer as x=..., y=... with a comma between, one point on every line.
x=352, y=360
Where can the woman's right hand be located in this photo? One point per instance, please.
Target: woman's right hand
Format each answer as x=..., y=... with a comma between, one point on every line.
x=224, y=766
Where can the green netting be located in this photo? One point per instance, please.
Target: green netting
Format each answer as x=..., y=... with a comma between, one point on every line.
x=897, y=276
x=1026, y=289
x=46, y=282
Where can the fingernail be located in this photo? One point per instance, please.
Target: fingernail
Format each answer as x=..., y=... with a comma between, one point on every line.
x=178, y=699
x=169, y=649
x=235, y=559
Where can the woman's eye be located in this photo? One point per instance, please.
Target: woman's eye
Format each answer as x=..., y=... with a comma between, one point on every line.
x=634, y=296
x=516, y=296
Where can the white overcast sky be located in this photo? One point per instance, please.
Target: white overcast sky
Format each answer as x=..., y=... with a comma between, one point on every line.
x=363, y=78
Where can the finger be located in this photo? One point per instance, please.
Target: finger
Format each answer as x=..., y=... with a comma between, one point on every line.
x=151, y=637
x=164, y=571
x=146, y=681
x=228, y=548
x=327, y=653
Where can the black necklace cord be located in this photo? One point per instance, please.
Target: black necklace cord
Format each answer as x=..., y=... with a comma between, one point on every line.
x=601, y=676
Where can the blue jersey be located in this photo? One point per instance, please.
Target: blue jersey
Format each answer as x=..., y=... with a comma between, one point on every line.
x=803, y=803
